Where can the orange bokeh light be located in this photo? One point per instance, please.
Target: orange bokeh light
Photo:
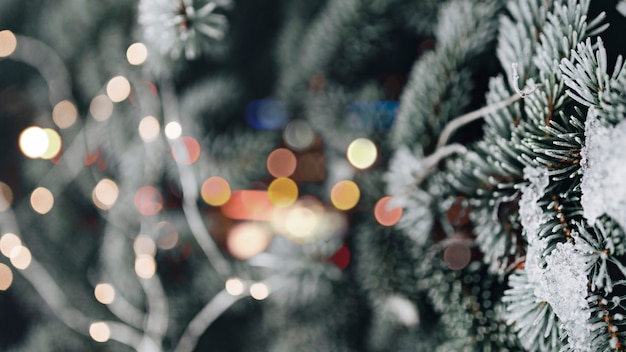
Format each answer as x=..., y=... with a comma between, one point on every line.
x=186, y=150
x=148, y=200
x=345, y=195
x=281, y=163
x=215, y=191
x=385, y=214
x=248, y=205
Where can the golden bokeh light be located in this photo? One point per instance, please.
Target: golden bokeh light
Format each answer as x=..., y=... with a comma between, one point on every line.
x=362, y=153
x=282, y=192
x=136, y=54
x=6, y=196
x=105, y=194
x=100, y=331
x=118, y=89
x=6, y=277
x=149, y=128
x=144, y=244
x=105, y=293
x=234, y=286
x=173, y=130
x=20, y=257
x=345, y=195
x=167, y=236
x=33, y=142
x=248, y=239
x=41, y=200
x=259, y=291
x=8, y=43
x=148, y=200
x=186, y=150
x=299, y=135
x=145, y=266
x=215, y=191
x=54, y=144
x=281, y=163
x=101, y=107
x=64, y=114
x=8, y=241
x=386, y=214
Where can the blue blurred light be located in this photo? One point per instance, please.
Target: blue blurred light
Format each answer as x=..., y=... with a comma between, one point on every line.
x=371, y=115
x=266, y=114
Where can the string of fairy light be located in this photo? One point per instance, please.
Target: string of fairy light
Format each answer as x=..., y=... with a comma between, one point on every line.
x=262, y=214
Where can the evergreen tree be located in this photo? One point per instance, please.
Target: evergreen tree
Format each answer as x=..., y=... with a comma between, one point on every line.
x=348, y=175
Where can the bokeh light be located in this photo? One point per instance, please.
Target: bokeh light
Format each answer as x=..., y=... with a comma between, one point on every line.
x=105, y=194
x=234, y=286
x=145, y=266
x=6, y=196
x=248, y=239
x=301, y=223
x=54, y=144
x=266, y=114
x=144, y=245
x=136, y=54
x=149, y=128
x=8, y=43
x=299, y=135
x=33, y=142
x=167, y=236
x=20, y=257
x=8, y=241
x=457, y=256
x=386, y=214
x=248, y=205
x=101, y=107
x=41, y=200
x=118, y=89
x=215, y=191
x=173, y=130
x=345, y=195
x=281, y=163
x=341, y=258
x=259, y=291
x=64, y=114
x=148, y=200
x=105, y=293
x=6, y=277
x=186, y=150
x=100, y=331
x=282, y=192
x=362, y=153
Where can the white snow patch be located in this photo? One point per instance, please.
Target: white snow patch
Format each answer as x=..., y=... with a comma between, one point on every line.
x=563, y=285
x=603, y=163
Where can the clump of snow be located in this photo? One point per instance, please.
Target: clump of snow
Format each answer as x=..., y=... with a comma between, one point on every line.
x=563, y=281
x=532, y=216
x=563, y=284
x=603, y=163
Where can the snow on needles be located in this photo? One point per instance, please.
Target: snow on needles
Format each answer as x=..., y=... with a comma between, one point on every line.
x=604, y=170
x=562, y=282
